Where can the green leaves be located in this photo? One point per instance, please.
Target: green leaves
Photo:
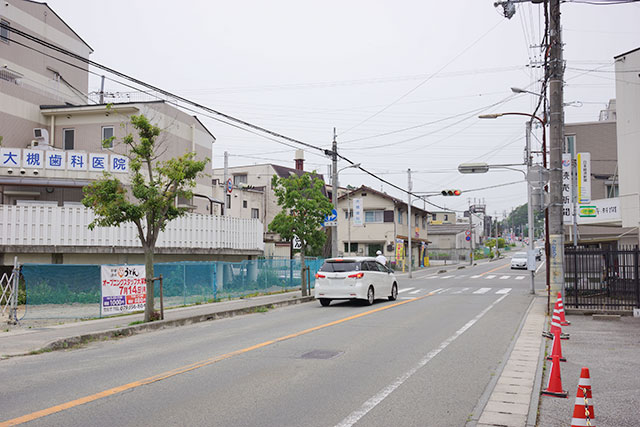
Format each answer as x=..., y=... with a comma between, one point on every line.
x=149, y=200
x=304, y=207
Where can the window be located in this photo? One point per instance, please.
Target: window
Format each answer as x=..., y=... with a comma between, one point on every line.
x=255, y=213
x=611, y=190
x=424, y=222
x=348, y=214
x=244, y=204
x=4, y=31
x=239, y=179
x=107, y=132
x=434, y=217
x=446, y=217
x=354, y=247
x=68, y=137
x=399, y=217
x=374, y=216
x=228, y=201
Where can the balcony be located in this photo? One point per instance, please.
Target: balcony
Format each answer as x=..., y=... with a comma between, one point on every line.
x=38, y=227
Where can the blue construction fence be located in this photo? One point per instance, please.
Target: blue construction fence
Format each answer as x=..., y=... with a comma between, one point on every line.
x=74, y=291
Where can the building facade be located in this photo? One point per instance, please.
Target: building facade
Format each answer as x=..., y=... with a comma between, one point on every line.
x=385, y=226
x=628, y=133
x=52, y=146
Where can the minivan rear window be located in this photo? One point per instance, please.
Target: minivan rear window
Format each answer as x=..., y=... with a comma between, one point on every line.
x=340, y=266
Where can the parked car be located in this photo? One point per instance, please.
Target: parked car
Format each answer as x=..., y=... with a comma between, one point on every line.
x=519, y=260
x=356, y=278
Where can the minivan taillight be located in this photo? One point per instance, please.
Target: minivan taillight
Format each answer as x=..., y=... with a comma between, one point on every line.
x=320, y=276
x=357, y=275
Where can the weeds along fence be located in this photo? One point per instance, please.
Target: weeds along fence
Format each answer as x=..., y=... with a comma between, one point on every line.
x=74, y=291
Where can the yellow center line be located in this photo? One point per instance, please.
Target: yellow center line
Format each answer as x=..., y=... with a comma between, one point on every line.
x=187, y=368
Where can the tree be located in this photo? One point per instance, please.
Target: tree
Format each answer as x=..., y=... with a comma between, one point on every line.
x=304, y=208
x=149, y=200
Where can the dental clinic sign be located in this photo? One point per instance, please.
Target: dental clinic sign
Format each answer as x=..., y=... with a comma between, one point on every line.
x=78, y=161
x=124, y=289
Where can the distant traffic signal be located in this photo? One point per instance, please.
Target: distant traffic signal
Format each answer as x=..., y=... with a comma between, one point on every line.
x=451, y=192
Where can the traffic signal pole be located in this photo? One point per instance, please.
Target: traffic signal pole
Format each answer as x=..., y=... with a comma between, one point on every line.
x=334, y=193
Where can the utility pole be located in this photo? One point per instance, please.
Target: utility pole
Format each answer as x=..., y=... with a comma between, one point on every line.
x=556, y=139
x=531, y=257
x=334, y=193
x=470, y=231
x=409, y=219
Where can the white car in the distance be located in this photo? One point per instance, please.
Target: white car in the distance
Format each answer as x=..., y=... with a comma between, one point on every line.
x=361, y=278
x=519, y=260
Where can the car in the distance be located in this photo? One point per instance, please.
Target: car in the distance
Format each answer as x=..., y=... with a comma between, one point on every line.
x=354, y=278
x=519, y=260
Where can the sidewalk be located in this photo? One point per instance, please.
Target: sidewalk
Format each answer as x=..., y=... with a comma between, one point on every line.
x=610, y=347
x=21, y=341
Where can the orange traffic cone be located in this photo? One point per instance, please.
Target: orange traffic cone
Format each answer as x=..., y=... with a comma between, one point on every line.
x=563, y=319
x=557, y=348
x=555, y=325
x=583, y=414
x=554, y=386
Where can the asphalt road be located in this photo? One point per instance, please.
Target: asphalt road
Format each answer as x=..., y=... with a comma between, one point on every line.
x=423, y=360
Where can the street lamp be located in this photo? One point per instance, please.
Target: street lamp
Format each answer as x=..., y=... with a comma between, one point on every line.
x=484, y=167
x=335, y=206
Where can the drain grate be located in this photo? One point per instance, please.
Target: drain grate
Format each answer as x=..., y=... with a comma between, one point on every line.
x=321, y=354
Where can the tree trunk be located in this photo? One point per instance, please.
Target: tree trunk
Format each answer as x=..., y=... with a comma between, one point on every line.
x=149, y=312
x=303, y=276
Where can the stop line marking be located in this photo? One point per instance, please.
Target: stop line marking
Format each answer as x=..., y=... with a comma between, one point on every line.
x=482, y=291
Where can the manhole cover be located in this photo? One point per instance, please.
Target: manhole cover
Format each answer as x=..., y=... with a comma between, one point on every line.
x=321, y=354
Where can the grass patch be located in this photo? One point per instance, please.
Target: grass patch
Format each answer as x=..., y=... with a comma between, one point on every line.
x=137, y=322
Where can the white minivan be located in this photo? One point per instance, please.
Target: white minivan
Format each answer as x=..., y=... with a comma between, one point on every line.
x=361, y=278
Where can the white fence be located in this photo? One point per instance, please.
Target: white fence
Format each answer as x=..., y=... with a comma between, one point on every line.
x=68, y=226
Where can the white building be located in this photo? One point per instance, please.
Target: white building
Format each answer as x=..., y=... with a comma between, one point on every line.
x=52, y=133
x=628, y=133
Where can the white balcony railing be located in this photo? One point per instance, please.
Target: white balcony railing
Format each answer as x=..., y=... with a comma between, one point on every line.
x=41, y=225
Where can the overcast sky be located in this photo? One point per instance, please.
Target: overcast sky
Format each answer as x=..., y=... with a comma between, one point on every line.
x=402, y=81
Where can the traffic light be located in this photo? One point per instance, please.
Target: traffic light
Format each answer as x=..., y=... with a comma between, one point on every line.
x=451, y=192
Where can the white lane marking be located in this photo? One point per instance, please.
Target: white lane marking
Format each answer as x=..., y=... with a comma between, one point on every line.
x=356, y=415
x=447, y=277
x=504, y=277
x=404, y=290
x=503, y=291
x=493, y=276
x=406, y=298
x=540, y=266
x=416, y=291
x=482, y=291
x=441, y=291
x=435, y=291
x=476, y=276
x=519, y=277
x=431, y=277
x=461, y=290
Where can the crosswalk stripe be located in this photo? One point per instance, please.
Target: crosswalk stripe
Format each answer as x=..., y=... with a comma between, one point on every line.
x=503, y=291
x=404, y=290
x=431, y=277
x=461, y=290
x=447, y=277
x=519, y=277
x=442, y=291
x=482, y=291
x=504, y=277
x=416, y=291
x=476, y=276
x=493, y=276
x=461, y=276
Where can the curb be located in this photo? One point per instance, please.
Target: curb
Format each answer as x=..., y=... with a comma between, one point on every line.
x=65, y=343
